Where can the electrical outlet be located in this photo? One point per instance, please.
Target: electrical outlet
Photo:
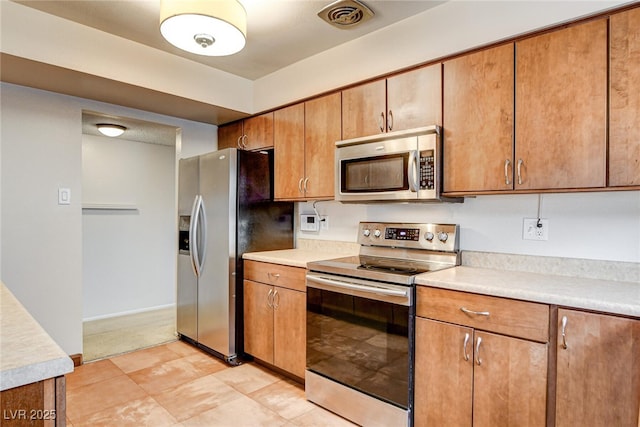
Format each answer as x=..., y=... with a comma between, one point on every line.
x=324, y=222
x=531, y=231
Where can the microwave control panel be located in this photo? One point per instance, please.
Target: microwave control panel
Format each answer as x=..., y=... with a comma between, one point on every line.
x=427, y=170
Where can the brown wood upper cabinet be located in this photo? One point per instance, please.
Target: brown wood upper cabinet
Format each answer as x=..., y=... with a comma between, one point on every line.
x=254, y=133
x=598, y=370
x=478, y=121
x=624, y=103
x=404, y=101
x=561, y=108
x=304, y=148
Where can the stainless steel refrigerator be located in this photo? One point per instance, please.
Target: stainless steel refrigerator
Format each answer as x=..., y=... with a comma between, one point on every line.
x=225, y=209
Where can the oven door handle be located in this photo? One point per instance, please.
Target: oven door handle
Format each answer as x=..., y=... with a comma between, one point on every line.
x=361, y=288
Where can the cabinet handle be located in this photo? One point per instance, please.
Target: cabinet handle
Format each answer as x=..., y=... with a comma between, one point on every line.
x=274, y=275
x=381, y=122
x=300, y=185
x=270, y=298
x=239, y=142
x=520, y=163
x=564, y=328
x=464, y=346
x=306, y=181
x=276, y=300
x=390, y=120
x=507, y=163
x=478, y=360
x=475, y=313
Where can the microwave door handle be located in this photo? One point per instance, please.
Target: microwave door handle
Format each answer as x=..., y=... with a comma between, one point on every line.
x=412, y=172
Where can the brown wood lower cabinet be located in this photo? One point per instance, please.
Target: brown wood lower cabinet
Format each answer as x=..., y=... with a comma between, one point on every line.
x=598, y=373
x=465, y=376
x=275, y=316
x=468, y=378
x=42, y=403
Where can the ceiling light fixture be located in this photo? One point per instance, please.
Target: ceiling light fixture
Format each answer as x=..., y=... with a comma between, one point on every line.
x=110, y=130
x=204, y=27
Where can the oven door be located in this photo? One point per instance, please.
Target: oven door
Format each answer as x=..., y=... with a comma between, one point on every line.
x=358, y=335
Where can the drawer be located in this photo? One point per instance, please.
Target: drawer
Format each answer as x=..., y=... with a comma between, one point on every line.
x=504, y=316
x=276, y=274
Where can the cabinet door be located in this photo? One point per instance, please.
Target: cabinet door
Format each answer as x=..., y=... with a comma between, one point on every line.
x=598, y=378
x=443, y=374
x=364, y=110
x=322, y=130
x=289, y=152
x=414, y=98
x=509, y=382
x=478, y=121
x=561, y=108
x=624, y=107
x=259, y=132
x=229, y=135
x=290, y=320
x=258, y=320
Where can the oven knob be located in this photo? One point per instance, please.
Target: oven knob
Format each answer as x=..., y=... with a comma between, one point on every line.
x=442, y=236
x=366, y=232
x=429, y=236
x=377, y=233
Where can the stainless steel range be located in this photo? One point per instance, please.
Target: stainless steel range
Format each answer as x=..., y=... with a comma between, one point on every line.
x=360, y=319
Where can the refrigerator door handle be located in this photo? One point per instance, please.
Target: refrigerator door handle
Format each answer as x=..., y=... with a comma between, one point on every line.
x=202, y=253
x=193, y=235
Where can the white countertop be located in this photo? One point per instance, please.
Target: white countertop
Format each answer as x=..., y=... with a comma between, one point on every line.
x=27, y=353
x=591, y=294
x=292, y=257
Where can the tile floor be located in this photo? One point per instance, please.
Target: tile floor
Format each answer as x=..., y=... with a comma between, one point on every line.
x=176, y=384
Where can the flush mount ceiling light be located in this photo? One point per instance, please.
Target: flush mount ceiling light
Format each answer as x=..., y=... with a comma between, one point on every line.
x=346, y=14
x=110, y=130
x=204, y=27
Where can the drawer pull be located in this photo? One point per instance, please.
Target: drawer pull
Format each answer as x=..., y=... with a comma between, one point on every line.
x=564, y=336
x=475, y=313
x=478, y=360
x=273, y=275
x=464, y=346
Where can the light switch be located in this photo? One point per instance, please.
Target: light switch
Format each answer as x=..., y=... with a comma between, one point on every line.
x=64, y=196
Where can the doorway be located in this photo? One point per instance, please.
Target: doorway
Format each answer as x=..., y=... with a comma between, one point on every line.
x=129, y=235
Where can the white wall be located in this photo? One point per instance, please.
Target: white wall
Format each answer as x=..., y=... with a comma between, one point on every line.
x=451, y=27
x=604, y=226
x=128, y=256
x=41, y=240
x=41, y=146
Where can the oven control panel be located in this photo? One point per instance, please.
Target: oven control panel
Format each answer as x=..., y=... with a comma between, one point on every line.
x=435, y=237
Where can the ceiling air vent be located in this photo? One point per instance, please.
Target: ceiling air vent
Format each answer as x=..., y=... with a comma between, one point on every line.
x=345, y=13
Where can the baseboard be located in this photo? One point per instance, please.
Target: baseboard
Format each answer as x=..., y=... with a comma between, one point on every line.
x=126, y=313
x=77, y=359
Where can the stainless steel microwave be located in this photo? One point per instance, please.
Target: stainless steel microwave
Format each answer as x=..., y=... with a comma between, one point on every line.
x=395, y=166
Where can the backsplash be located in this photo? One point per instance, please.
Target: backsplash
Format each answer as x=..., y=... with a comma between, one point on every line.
x=334, y=246
x=571, y=267
x=595, y=226
x=574, y=267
